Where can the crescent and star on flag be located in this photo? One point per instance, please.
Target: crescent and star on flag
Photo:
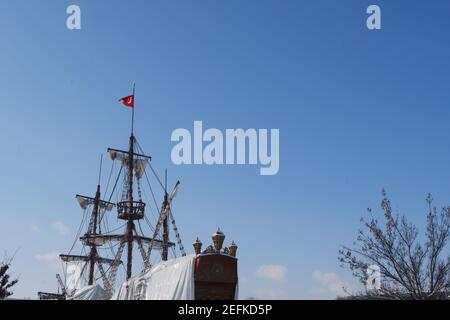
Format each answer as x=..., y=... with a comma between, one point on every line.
x=128, y=101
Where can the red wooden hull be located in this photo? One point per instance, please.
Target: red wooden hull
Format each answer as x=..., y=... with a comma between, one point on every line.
x=216, y=277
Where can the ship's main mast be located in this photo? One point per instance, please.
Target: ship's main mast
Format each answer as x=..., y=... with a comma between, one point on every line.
x=128, y=209
x=130, y=223
x=135, y=212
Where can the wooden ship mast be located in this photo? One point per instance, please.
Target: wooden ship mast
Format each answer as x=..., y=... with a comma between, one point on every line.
x=89, y=239
x=131, y=210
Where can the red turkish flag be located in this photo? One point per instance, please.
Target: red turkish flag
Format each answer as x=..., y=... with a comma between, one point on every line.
x=128, y=101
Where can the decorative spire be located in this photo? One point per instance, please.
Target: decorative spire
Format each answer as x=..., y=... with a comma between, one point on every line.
x=218, y=237
x=197, y=246
x=233, y=248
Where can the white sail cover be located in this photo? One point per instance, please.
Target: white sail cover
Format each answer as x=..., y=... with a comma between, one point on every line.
x=74, y=279
x=94, y=292
x=167, y=280
x=139, y=164
x=84, y=202
x=139, y=167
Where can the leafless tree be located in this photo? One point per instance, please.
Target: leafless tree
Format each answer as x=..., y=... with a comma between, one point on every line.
x=410, y=267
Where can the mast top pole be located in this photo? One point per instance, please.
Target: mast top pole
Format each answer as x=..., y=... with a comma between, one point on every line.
x=132, y=112
x=100, y=170
x=165, y=182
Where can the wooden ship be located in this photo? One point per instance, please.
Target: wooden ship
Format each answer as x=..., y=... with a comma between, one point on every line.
x=139, y=249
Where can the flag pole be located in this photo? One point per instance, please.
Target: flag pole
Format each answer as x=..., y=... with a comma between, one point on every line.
x=132, y=115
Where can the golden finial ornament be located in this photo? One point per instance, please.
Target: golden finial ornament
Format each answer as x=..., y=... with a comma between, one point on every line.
x=233, y=248
x=218, y=237
x=197, y=246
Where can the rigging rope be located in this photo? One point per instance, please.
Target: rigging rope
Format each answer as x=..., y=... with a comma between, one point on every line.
x=109, y=200
x=151, y=190
x=110, y=176
x=177, y=234
x=112, y=275
x=114, y=188
x=115, y=229
x=79, y=230
x=151, y=167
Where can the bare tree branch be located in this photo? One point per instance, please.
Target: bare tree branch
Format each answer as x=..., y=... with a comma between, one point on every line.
x=409, y=269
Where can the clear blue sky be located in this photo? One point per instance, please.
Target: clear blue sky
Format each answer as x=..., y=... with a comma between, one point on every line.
x=357, y=110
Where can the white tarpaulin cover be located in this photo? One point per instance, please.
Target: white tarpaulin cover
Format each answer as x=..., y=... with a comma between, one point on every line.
x=94, y=292
x=167, y=280
x=74, y=279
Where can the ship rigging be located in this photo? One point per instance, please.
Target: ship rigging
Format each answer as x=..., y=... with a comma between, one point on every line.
x=90, y=265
